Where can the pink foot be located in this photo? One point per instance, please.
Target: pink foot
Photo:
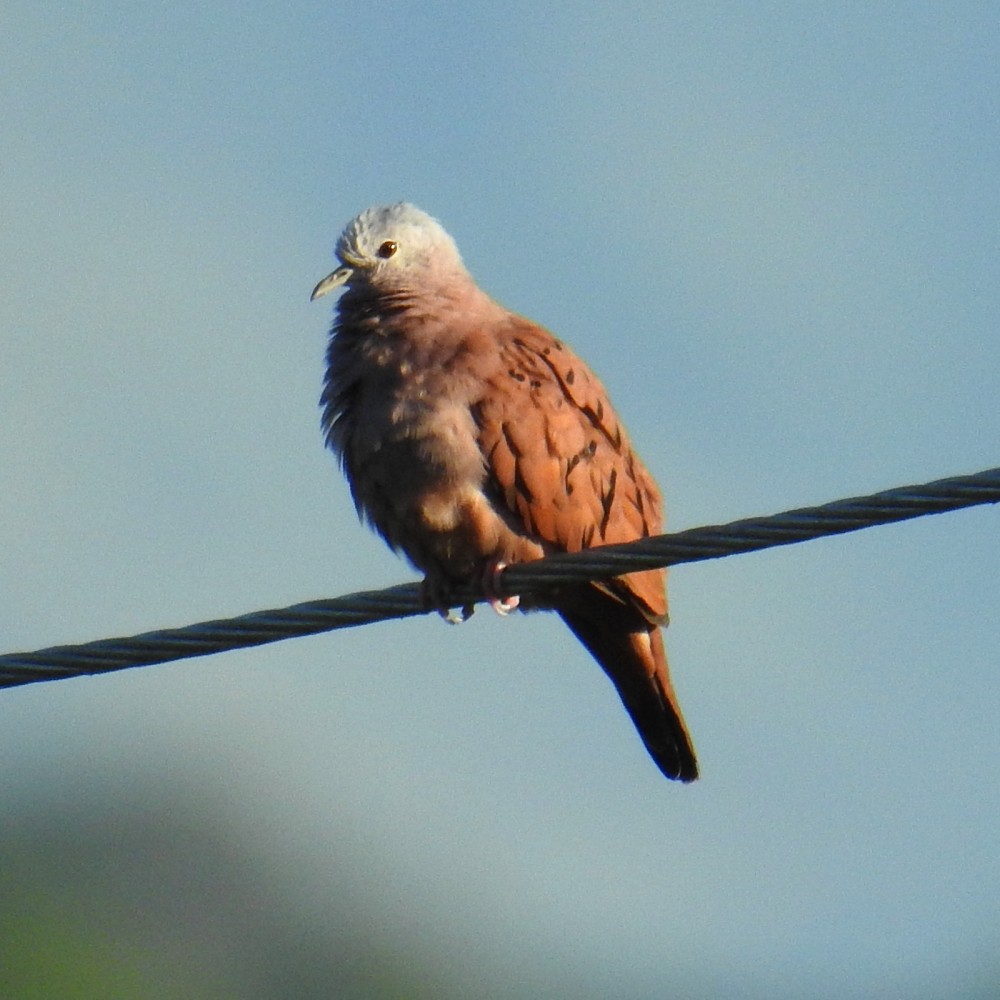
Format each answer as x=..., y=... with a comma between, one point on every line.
x=491, y=578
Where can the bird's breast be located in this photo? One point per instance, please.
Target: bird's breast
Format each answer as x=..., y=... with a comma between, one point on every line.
x=409, y=444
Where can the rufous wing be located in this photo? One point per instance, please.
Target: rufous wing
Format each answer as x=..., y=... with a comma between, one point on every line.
x=560, y=461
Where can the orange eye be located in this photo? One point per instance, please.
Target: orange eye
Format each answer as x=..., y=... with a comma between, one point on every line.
x=387, y=249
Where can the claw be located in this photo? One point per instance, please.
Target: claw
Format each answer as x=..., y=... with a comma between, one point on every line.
x=456, y=616
x=491, y=578
x=434, y=594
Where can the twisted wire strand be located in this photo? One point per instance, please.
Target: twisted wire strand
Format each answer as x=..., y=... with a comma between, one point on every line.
x=693, y=545
x=755, y=533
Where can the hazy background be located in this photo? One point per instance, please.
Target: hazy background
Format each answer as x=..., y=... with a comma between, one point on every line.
x=773, y=229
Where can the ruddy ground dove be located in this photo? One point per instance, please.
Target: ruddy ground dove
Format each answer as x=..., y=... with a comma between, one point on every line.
x=472, y=438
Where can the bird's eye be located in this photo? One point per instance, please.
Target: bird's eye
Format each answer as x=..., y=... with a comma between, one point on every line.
x=387, y=249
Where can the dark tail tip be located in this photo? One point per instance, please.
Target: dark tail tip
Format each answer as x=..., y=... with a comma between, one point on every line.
x=632, y=655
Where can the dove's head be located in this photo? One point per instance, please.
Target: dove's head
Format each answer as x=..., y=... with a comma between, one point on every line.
x=388, y=247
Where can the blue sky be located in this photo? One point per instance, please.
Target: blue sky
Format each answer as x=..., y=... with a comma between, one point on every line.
x=772, y=229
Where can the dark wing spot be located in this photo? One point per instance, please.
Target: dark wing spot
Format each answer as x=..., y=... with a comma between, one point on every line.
x=595, y=414
x=570, y=377
x=514, y=450
x=571, y=464
x=608, y=500
x=638, y=501
x=520, y=485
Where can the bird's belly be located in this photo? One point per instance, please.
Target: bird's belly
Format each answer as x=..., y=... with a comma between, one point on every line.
x=443, y=523
x=417, y=474
x=426, y=496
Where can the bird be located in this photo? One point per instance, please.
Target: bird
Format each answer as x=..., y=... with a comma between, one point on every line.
x=473, y=438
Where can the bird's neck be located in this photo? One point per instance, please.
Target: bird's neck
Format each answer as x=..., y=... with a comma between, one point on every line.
x=403, y=309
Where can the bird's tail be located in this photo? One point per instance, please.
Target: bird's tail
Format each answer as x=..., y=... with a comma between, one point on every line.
x=632, y=654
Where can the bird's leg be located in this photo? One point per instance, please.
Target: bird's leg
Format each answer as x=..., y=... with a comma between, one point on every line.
x=436, y=595
x=491, y=580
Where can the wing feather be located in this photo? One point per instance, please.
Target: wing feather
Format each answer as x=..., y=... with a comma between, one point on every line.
x=560, y=460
